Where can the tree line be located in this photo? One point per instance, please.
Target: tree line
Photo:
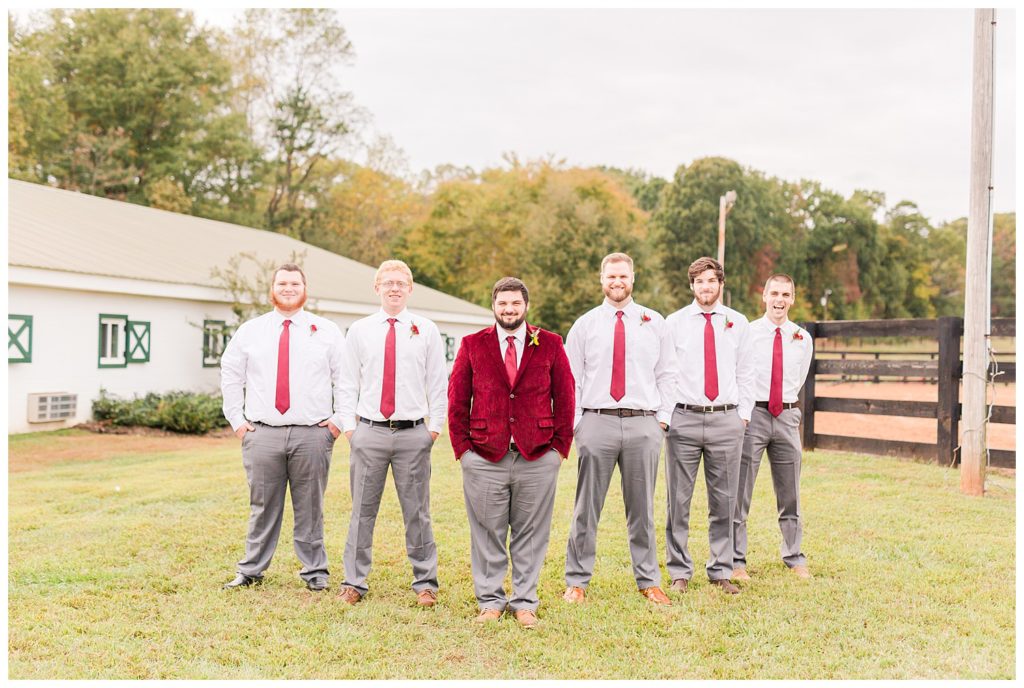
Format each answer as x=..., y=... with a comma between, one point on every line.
x=255, y=126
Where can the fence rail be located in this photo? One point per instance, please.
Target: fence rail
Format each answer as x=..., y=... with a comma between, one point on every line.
x=947, y=371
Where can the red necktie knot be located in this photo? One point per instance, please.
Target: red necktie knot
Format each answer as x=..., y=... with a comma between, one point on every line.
x=775, y=389
x=618, y=387
x=282, y=397
x=387, y=390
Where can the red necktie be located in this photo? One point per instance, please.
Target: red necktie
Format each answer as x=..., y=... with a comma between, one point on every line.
x=775, y=391
x=283, y=399
x=510, y=360
x=710, y=360
x=387, y=390
x=619, y=359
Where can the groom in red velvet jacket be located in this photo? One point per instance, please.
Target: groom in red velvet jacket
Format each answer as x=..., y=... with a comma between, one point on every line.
x=511, y=399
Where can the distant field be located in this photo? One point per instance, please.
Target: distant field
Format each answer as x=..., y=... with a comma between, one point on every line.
x=118, y=546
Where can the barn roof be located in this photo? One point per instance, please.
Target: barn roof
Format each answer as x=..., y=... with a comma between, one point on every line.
x=54, y=229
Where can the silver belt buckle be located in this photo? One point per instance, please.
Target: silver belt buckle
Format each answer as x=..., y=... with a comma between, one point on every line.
x=709, y=409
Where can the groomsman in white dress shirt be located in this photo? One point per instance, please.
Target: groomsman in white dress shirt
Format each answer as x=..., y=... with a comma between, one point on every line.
x=393, y=406
x=280, y=379
x=716, y=377
x=782, y=353
x=626, y=372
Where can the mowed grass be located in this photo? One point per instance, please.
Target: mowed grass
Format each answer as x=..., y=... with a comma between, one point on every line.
x=116, y=566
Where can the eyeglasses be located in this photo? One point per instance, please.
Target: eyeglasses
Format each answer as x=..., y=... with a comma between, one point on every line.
x=394, y=285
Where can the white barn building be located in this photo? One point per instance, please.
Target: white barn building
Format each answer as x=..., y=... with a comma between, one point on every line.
x=111, y=295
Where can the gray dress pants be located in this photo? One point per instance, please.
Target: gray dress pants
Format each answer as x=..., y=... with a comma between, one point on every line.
x=407, y=452
x=781, y=438
x=276, y=459
x=634, y=445
x=719, y=438
x=512, y=501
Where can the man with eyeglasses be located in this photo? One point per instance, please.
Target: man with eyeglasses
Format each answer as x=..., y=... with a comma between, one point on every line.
x=393, y=406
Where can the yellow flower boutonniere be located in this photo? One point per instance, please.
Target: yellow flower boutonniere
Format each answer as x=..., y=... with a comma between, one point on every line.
x=534, y=337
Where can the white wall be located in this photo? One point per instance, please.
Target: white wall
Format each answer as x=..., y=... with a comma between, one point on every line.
x=65, y=347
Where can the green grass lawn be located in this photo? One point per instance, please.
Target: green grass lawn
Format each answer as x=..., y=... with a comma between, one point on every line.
x=116, y=567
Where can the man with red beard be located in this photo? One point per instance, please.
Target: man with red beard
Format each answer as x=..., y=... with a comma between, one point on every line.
x=280, y=376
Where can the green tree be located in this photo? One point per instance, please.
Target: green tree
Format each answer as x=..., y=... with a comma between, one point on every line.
x=549, y=226
x=685, y=227
x=109, y=101
x=299, y=112
x=1004, y=265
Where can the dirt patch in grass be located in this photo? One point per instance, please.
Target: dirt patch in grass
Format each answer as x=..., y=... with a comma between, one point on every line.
x=30, y=452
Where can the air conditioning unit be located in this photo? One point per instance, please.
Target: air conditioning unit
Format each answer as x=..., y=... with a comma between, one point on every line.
x=50, y=406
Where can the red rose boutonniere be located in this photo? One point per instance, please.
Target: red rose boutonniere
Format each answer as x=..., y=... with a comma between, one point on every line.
x=728, y=323
x=312, y=330
x=797, y=337
x=644, y=318
x=413, y=331
x=534, y=337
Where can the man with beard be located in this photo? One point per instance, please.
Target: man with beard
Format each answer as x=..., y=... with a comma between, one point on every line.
x=510, y=412
x=393, y=407
x=280, y=376
x=622, y=357
x=715, y=378
x=782, y=353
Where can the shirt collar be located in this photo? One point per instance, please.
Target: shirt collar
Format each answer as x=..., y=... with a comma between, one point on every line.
x=629, y=310
x=719, y=309
x=771, y=326
x=519, y=334
x=403, y=317
x=297, y=318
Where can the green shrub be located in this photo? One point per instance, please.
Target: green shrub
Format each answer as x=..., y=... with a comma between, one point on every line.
x=186, y=412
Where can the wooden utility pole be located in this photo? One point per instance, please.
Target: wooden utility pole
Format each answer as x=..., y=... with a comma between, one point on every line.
x=725, y=204
x=977, y=292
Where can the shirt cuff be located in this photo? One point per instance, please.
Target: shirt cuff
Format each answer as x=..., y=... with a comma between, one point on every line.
x=237, y=422
x=347, y=424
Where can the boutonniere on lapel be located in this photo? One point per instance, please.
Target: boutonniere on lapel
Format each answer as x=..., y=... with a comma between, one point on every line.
x=797, y=337
x=312, y=330
x=728, y=323
x=644, y=318
x=414, y=331
x=534, y=336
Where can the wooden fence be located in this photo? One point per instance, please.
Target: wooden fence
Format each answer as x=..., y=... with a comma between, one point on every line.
x=946, y=370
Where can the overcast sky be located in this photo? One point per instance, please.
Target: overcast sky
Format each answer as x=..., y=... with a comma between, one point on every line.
x=872, y=99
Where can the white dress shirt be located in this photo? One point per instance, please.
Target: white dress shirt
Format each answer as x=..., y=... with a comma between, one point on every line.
x=651, y=368
x=421, y=375
x=248, y=371
x=735, y=366
x=796, y=358
x=520, y=342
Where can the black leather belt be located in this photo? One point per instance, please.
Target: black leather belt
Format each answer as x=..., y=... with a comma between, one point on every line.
x=392, y=424
x=621, y=413
x=764, y=405
x=706, y=409
x=513, y=448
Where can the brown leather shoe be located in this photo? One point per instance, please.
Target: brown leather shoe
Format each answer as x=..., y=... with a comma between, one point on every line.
x=679, y=584
x=740, y=575
x=801, y=572
x=488, y=615
x=349, y=595
x=656, y=595
x=526, y=618
x=574, y=594
x=426, y=598
x=726, y=586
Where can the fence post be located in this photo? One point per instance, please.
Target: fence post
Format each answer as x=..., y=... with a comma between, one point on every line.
x=948, y=408
x=807, y=393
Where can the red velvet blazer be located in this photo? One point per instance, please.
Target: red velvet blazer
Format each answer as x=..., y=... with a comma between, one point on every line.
x=485, y=413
